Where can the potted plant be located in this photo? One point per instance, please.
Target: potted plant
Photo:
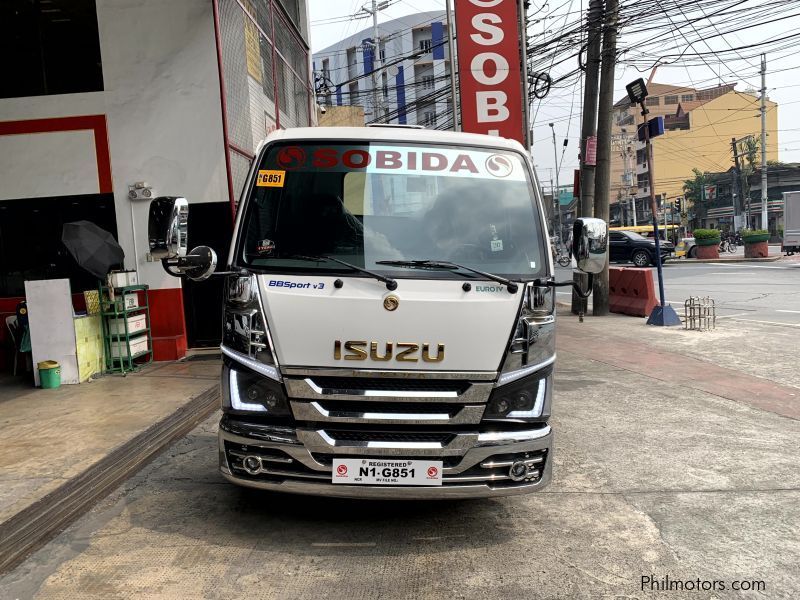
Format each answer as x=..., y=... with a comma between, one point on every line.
x=707, y=241
x=756, y=243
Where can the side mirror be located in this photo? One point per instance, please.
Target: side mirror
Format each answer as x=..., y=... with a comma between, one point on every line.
x=167, y=227
x=590, y=244
x=168, y=230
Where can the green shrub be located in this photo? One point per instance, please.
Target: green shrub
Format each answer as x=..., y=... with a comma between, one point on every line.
x=752, y=232
x=706, y=234
x=753, y=236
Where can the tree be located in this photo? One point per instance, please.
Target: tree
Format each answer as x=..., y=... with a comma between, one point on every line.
x=693, y=191
x=748, y=149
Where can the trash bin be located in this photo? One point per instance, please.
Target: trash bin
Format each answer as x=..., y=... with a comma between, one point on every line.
x=49, y=374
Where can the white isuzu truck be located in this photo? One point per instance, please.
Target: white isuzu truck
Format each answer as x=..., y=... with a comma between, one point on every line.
x=389, y=322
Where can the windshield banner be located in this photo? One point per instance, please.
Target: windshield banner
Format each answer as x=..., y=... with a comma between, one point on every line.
x=403, y=160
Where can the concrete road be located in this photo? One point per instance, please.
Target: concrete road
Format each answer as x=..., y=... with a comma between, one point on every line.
x=652, y=479
x=763, y=292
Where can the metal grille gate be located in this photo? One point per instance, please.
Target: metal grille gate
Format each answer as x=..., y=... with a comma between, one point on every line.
x=265, y=79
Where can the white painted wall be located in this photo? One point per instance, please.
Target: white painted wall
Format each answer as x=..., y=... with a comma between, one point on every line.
x=39, y=161
x=161, y=100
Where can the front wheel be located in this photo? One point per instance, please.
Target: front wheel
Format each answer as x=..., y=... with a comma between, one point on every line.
x=640, y=258
x=731, y=248
x=564, y=260
x=693, y=252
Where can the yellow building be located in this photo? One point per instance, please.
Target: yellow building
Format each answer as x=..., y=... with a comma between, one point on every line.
x=699, y=125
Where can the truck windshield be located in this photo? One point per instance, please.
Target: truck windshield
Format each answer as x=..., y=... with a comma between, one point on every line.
x=370, y=202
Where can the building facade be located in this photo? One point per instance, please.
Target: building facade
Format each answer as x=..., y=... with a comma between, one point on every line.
x=721, y=201
x=699, y=125
x=170, y=96
x=413, y=81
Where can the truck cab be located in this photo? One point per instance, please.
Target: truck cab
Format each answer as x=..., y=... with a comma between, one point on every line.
x=389, y=315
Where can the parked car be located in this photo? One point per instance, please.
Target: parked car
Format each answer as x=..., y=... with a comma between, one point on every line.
x=628, y=246
x=686, y=247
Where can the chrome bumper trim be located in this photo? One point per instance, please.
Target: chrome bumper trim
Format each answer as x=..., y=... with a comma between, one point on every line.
x=324, y=372
x=314, y=411
x=306, y=389
x=443, y=492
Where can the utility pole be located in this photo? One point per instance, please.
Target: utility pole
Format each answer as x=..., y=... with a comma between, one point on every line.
x=603, y=175
x=376, y=59
x=588, y=130
x=451, y=52
x=523, y=48
x=558, y=189
x=590, y=93
x=764, y=197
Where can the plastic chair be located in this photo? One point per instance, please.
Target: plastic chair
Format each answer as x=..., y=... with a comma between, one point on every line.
x=16, y=337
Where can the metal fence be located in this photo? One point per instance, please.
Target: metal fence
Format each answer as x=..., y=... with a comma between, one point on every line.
x=265, y=77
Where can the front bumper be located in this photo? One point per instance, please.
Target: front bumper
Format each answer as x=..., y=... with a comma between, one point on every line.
x=299, y=460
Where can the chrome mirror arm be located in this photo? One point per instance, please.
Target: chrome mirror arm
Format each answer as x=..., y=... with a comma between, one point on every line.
x=574, y=285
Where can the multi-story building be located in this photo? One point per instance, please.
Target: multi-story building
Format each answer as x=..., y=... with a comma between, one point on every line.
x=699, y=125
x=99, y=96
x=722, y=201
x=413, y=78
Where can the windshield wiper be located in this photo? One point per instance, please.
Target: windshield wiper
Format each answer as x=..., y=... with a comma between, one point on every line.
x=391, y=284
x=444, y=264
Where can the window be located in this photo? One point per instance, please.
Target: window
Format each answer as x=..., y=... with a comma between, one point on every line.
x=354, y=99
x=671, y=99
x=49, y=48
x=641, y=156
x=364, y=216
x=625, y=120
x=641, y=180
x=326, y=68
x=687, y=98
x=429, y=118
x=385, y=85
x=425, y=45
x=652, y=101
x=427, y=82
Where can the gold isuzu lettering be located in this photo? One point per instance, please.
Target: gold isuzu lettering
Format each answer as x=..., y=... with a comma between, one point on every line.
x=406, y=351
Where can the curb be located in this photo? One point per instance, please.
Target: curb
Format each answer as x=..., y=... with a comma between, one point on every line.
x=690, y=261
x=38, y=523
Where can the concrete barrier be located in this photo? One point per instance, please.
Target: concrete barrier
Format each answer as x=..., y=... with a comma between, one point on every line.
x=631, y=291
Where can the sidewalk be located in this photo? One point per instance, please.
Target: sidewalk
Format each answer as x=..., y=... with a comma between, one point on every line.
x=742, y=361
x=60, y=444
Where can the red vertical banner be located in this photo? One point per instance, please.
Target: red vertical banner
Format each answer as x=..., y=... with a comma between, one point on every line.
x=487, y=34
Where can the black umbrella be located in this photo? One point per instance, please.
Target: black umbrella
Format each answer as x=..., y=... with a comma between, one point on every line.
x=92, y=247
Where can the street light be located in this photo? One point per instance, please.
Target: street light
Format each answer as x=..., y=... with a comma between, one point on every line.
x=663, y=315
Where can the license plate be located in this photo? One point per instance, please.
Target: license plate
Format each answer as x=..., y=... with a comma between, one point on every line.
x=366, y=471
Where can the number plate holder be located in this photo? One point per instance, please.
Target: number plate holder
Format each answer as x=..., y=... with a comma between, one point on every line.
x=380, y=471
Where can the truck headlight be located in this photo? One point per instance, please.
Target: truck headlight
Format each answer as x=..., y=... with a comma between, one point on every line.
x=247, y=391
x=525, y=399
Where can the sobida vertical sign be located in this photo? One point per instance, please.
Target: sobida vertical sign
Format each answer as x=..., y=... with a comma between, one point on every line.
x=487, y=34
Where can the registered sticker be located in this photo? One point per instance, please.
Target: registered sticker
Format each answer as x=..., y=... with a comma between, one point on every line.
x=497, y=245
x=366, y=471
x=270, y=178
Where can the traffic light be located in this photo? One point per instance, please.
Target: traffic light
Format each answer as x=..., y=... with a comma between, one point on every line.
x=678, y=204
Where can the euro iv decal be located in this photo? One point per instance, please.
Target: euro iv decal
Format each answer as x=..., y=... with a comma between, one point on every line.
x=400, y=351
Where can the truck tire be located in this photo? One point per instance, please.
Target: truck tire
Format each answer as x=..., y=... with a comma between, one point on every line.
x=641, y=258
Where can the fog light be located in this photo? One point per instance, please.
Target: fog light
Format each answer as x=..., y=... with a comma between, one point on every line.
x=252, y=464
x=518, y=470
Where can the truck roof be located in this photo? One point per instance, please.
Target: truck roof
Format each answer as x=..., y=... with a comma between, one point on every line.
x=394, y=134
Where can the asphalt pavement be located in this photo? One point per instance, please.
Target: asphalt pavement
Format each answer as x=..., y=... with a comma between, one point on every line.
x=760, y=292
